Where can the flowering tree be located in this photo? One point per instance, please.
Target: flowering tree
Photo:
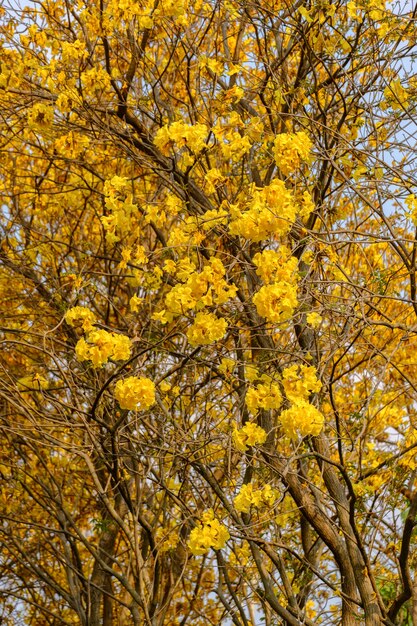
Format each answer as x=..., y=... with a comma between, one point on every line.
x=208, y=319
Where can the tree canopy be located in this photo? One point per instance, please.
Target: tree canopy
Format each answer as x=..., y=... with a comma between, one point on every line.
x=208, y=313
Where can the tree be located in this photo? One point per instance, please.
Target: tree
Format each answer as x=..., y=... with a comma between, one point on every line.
x=208, y=319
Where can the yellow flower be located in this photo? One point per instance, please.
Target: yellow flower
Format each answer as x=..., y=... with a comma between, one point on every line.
x=299, y=381
x=207, y=328
x=210, y=533
x=250, y=435
x=181, y=134
x=135, y=393
x=126, y=255
x=276, y=302
x=227, y=366
x=276, y=266
x=249, y=496
x=270, y=211
x=290, y=149
x=40, y=115
x=213, y=178
x=213, y=218
x=263, y=396
x=80, y=316
x=135, y=303
x=307, y=205
x=251, y=373
x=243, y=500
x=235, y=147
x=101, y=346
x=170, y=266
x=121, y=347
x=302, y=419
x=140, y=257
x=180, y=299
x=162, y=316
x=396, y=95
x=314, y=319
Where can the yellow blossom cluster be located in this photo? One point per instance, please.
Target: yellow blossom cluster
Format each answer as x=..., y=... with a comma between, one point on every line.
x=249, y=496
x=276, y=302
x=302, y=419
x=185, y=235
x=266, y=395
x=80, y=316
x=290, y=150
x=135, y=303
x=213, y=178
x=71, y=145
x=241, y=555
x=72, y=51
x=66, y=101
x=180, y=135
x=276, y=265
x=213, y=218
x=314, y=319
x=270, y=211
x=198, y=289
x=119, y=203
x=299, y=381
x=95, y=80
x=145, y=14
x=250, y=435
x=306, y=204
x=167, y=537
x=101, y=346
x=40, y=115
x=233, y=144
x=135, y=393
x=207, y=328
x=227, y=366
x=210, y=533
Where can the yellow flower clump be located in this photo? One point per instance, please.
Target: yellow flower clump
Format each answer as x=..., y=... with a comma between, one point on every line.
x=290, y=150
x=207, y=328
x=101, y=346
x=249, y=496
x=299, y=381
x=275, y=266
x=40, y=115
x=210, y=533
x=264, y=396
x=181, y=134
x=119, y=202
x=250, y=435
x=314, y=319
x=271, y=211
x=80, y=316
x=302, y=419
x=200, y=288
x=276, y=302
x=135, y=393
x=196, y=289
